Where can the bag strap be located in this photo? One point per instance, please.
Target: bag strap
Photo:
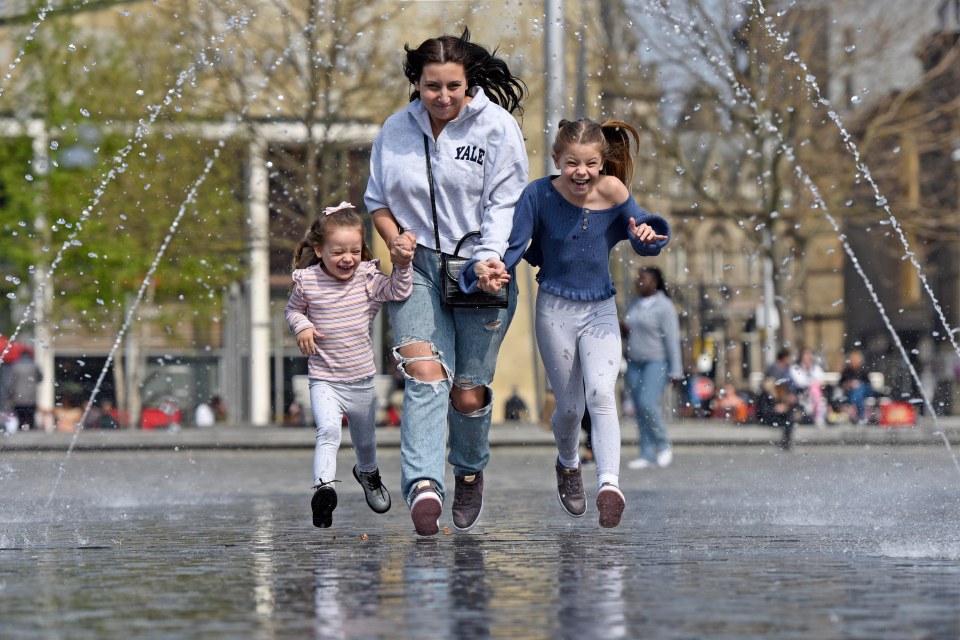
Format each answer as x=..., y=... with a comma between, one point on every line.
x=433, y=198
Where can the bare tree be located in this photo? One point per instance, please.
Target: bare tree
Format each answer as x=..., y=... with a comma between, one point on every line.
x=730, y=118
x=910, y=125
x=319, y=63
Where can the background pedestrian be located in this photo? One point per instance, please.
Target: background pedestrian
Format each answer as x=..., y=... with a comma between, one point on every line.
x=653, y=359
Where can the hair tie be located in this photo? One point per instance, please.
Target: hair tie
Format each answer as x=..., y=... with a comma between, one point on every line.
x=340, y=207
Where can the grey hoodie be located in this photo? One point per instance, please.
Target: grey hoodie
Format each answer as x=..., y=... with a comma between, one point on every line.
x=479, y=165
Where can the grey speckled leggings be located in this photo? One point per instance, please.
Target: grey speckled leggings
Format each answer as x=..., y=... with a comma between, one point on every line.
x=330, y=402
x=579, y=343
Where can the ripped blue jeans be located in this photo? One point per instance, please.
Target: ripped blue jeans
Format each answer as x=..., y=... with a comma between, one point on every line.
x=466, y=343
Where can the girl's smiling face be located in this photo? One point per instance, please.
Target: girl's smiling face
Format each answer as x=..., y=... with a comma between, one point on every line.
x=340, y=252
x=580, y=166
x=443, y=90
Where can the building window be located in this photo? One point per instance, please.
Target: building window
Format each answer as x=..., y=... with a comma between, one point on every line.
x=718, y=256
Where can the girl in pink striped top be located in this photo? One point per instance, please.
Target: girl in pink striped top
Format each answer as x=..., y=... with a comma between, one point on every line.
x=337, y=291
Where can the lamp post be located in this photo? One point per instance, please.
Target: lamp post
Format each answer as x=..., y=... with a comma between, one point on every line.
x=554, y=73
x=259, y=283
x=42, y=287
x=555, y=77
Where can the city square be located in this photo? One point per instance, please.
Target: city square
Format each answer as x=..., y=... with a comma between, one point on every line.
x=731, y=541
x=716, y=247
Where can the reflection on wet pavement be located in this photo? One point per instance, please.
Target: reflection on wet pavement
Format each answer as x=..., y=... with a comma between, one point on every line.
x=740, y=543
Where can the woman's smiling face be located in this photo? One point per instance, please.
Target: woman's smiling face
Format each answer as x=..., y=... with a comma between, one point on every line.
x=443, y=89
x=580, y=166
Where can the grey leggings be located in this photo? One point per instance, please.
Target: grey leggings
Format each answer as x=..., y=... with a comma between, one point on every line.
x=330, y=402
x=579, y=343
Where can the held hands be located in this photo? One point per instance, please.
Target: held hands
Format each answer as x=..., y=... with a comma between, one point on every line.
x=644, y=232
x=491, y=275
x=307, y=341
x=402, y=248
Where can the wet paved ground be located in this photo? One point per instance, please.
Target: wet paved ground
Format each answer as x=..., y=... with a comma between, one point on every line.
x=736, y=542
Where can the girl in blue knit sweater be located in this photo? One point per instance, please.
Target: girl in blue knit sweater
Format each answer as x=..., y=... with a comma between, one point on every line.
x=567, y=224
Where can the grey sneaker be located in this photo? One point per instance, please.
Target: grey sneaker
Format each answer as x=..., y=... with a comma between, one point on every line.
x=570, y=490
x=376, y=494
x=425, y=508
x=323, y=503
x=467, y=502
x=610, y=504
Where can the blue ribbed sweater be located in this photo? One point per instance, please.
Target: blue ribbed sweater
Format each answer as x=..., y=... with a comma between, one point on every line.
x=571, y=245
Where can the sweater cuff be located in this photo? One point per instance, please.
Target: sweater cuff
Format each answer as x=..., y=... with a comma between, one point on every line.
x=468, y=280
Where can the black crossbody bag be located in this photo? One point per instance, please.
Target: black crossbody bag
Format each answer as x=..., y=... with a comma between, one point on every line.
x=450, y=265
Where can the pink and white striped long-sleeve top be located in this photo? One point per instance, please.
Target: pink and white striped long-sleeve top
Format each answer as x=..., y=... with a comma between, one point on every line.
x=343, y=312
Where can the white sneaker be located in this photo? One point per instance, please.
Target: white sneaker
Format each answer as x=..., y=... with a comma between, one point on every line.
x=641, y=463
x=665, y=457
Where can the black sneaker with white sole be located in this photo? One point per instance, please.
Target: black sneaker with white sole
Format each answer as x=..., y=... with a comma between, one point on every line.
x=467, y=501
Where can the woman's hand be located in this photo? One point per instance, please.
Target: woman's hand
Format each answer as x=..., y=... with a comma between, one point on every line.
x=402, y=249
x=491, y=275
x=644, y=232
x=307, y=341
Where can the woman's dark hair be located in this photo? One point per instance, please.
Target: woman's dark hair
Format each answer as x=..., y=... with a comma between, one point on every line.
x=657, y=277
x=613, y=137
x=305, y=256
x=482, y=68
